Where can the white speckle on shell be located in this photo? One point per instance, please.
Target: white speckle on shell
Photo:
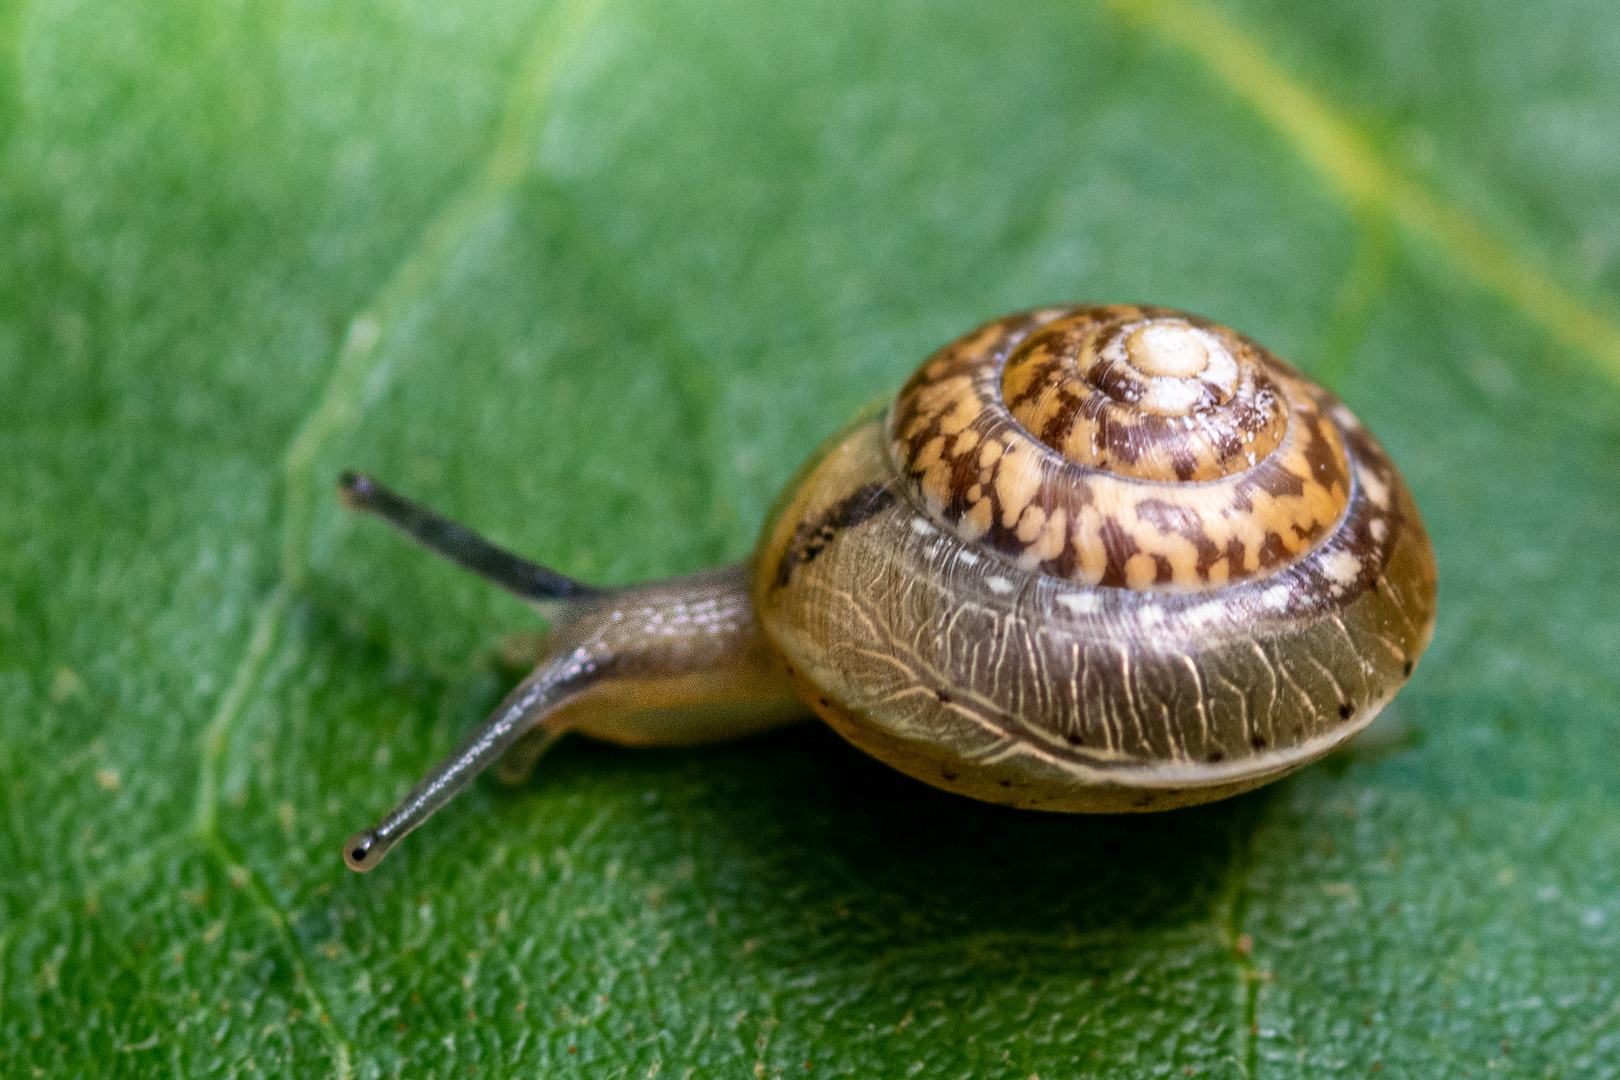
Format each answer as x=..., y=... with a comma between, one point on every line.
x=1341, y=569
x=921, y=527
x=1379, y=528
x=1377, y=490
x=999, y=585
x=1205, y=614
x=1081, y=603
x=1275, y=598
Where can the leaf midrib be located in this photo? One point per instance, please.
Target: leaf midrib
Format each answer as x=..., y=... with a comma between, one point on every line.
x=1346, y=159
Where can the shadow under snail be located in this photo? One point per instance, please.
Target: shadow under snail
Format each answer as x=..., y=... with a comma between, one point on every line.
x=1094, y=559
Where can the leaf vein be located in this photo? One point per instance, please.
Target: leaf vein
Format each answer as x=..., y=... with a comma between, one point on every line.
x=255, y=888
x=357, y=375
x=1345, y=158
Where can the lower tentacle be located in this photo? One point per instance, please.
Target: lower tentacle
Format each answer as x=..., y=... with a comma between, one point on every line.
x=552, y=685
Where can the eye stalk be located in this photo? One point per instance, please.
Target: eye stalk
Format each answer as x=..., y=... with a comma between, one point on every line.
x=524, y=579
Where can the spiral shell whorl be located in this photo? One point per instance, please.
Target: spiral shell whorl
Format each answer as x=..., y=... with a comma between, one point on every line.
x=1121, y=445
x=1153, y=398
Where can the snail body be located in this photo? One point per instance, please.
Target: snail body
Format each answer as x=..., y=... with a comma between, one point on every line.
x=1090, y=559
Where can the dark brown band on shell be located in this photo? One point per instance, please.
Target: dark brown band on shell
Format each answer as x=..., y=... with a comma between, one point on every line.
x=1121, y=445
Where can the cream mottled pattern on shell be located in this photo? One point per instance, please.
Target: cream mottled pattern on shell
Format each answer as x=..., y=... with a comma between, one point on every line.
x=1122, y=445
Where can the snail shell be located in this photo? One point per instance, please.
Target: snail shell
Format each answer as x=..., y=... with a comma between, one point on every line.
x=1098, y=559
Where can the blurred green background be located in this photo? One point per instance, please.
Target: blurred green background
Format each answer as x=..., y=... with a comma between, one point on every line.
x=594, y=278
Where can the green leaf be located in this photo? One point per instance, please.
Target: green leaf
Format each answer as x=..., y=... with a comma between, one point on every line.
x=594, y=278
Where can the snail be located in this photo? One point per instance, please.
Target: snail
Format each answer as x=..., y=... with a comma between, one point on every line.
x=1092, y=559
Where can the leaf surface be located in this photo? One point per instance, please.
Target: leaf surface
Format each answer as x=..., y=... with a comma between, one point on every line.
x=594, y=278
